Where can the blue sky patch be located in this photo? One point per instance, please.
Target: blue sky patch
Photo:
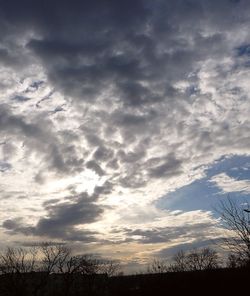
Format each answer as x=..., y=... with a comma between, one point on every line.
x=203, y=194
x=243, y=50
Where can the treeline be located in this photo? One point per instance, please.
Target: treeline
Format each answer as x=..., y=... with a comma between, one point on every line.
x=49, y=258
x=49, y=269
x=202, y=259
x=197, y=260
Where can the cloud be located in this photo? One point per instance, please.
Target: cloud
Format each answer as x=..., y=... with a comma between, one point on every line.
x=127, y=100
x=68, y=214
x=10, y=224
x=40, y=139
x=168, y=234
x=61, y=220
x=4, y=166
x=228, y=184
x=95, y=167
x=170, y=167
x=165, y=227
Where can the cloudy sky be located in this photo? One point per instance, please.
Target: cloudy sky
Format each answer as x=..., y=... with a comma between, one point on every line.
x=122, y=123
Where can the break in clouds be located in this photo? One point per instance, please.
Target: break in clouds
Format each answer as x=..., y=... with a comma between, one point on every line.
x=107, y=106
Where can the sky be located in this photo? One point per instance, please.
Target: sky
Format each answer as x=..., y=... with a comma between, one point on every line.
x=122, y=123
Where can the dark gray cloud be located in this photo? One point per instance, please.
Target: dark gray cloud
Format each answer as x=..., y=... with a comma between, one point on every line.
x=68, y=214
x=11, y=224
x=167, y=234
x=61, y=219
x=10, y=122
x=63, y=216
x=15, y=226
x=170, y=167
x=137, y=47
x=95, y=167
x=103, y=153
x=4, y=166
x=57, y=150
x=11, y=194
x=20, y=98
x=104, y=189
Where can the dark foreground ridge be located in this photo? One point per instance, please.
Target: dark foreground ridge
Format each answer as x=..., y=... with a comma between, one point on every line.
x=213, y=282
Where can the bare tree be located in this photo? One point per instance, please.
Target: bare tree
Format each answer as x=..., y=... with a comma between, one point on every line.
x=15, y=263
x=235, y=261
x=236, y=218
x=110, y=267
x=179, y=262
x=54, y=257
x=202, y=259
x=18, y=260
x=88, y=265
x=157, y=266
x=46, y=259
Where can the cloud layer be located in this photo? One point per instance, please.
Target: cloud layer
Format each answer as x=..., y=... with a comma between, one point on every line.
x=107, y=106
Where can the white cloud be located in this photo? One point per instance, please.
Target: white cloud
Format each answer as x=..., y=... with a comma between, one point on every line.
x=228, y=184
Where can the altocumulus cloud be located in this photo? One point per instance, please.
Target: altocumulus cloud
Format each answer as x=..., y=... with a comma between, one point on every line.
x=122, y=100
x=60, y=220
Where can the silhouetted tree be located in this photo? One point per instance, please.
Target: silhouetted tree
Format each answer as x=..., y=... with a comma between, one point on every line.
x=236, y=218
x=202, y=259
x=49, y=269
x=235, y=261
x=53, y=257
x=18, y=260
x=15, y=264
x=179, y=262
x=157, y=266
x=110, y=267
